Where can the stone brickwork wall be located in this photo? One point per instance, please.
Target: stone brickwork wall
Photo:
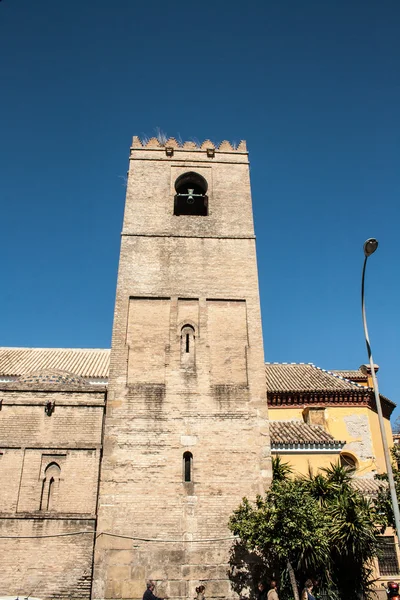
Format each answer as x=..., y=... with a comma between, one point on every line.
x=46, y=567
x=49, y=469
x=186, y=376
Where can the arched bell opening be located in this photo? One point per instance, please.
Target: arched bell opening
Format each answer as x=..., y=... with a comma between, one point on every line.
x=191, y=195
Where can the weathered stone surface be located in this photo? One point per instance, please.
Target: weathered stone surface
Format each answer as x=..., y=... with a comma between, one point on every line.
x=186, y=375
x=39, y=556
x=186, y=387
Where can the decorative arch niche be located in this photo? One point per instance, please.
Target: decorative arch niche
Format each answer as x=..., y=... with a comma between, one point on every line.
x=50, y=486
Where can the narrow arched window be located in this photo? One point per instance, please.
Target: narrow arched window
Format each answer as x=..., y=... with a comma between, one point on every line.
x=50, y=495
x=187, y=467
x=191, y=195
x=50, y=484
x=188, y=339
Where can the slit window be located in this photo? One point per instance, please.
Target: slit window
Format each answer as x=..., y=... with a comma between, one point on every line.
x=191, y=195
x=187, y=346
x=187, y=467
x=48, y=500
x=50, y=496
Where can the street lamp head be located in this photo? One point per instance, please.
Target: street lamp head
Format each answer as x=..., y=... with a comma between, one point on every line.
x=370, y=246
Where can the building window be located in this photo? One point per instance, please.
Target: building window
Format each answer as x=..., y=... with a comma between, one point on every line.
x=191, y=195
x=50, y=485
x=347, y=460
x=387, y=557
x=187, y=467
x=188, y=346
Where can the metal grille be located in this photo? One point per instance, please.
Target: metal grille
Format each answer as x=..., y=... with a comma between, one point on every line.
x=387, y=558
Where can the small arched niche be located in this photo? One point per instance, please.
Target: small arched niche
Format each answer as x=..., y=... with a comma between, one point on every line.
x=191, y=195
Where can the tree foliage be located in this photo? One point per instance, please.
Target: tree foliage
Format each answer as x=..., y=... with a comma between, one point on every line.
x=384, y=501
x=396, y=426
x=315, y=527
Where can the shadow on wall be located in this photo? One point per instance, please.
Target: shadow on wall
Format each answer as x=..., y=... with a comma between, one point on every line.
x=246, y=569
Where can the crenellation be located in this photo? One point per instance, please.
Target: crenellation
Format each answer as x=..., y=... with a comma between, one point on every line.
x=160, y=143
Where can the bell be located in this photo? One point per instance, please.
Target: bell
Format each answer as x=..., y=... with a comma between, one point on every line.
x=190, y=199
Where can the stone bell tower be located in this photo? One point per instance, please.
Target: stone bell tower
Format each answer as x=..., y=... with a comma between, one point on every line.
x=186, y=430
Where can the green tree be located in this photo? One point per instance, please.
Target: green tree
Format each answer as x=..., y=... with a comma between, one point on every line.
x=288, y=527
x=317, y=526
x=384, y=501
x=354, y=526
x=280, y=470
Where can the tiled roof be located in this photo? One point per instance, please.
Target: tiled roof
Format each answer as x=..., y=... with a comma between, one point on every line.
x=52, y=376
x=367, y=486
x=85, y=362
x=298, y=432
x=93, y=363
x=301, y=377
x=355, y=375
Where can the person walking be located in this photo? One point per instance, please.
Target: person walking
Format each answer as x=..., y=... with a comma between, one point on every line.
x=262, y=591
x=149, y=593
x=273, y=592
x=307, y=592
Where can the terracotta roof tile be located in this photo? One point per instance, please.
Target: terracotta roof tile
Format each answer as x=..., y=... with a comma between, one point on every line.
x=85, y=362
x=298, y=432
x=355, y=375
x=282, y=377
x=367, y=486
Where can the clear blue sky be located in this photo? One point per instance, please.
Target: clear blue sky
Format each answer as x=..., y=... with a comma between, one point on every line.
x=314, y=88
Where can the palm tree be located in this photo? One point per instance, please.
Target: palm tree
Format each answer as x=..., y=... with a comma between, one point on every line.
x=280, y=470
x=318, y=486
x=353, y=529
x=339, y=476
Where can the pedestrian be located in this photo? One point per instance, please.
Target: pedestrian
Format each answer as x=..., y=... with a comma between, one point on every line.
x=307, y=592
x=200, y=593
x=272, y=592
x=149, y=593
x=262, y=591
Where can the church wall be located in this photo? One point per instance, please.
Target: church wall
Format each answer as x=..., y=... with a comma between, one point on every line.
x=49, y=469
x=46, y=567
x=300, y=462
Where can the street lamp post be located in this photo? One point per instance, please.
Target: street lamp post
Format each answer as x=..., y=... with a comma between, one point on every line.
x=369, y=248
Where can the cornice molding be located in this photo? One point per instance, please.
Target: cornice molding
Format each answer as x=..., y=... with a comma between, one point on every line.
x=323, y=398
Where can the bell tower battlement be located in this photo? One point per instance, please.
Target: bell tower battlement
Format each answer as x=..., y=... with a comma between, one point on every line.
x=160, y=175
x=186, y=429
x=173, y=143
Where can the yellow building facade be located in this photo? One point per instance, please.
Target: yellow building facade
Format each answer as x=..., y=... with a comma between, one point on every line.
x=319, y=417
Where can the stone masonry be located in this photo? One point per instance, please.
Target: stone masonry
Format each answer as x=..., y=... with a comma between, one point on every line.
x=50, y=443
x=186, y=430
